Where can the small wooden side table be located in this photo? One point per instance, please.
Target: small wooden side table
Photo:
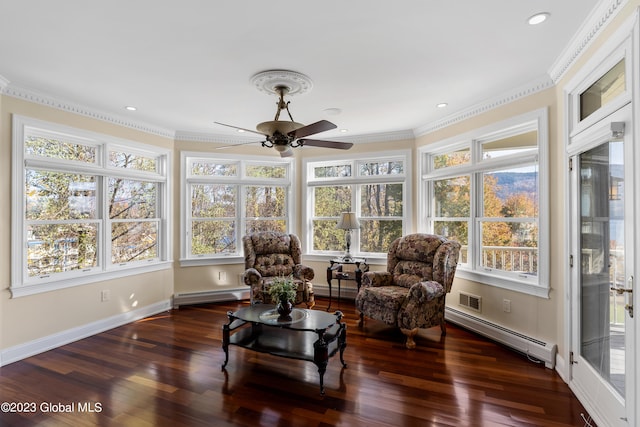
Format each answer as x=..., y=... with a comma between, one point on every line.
x=335, y=271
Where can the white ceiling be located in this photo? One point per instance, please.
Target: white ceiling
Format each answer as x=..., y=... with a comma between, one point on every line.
x=187, y=64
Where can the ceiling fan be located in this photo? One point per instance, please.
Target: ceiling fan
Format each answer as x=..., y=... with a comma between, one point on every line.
x=285, y=135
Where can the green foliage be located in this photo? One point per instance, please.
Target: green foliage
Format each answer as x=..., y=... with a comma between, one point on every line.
x=61, y=197
x=283, y=289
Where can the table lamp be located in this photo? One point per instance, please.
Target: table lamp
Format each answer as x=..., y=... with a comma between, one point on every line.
x=348, y=222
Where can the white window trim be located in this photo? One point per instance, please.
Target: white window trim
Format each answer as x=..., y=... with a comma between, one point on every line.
x=186, y=157
x=310, y=182
x=542, y=286
x=21, y=284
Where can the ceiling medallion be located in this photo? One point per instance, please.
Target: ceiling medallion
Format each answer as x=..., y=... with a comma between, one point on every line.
x=271, y=80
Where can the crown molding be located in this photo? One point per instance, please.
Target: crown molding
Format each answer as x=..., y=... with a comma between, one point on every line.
x=3, y=84
x=75, y=108
x=595, y=23
x=529, y=89
x=232, y=139
x=190, y=136
x=376, y=137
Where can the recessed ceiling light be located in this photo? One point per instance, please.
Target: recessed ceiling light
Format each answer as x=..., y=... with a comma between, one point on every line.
x=344, y=130
x=332, y=111
x=241, y=130
x=130, y=108
x=538, y=18
x=441, y=105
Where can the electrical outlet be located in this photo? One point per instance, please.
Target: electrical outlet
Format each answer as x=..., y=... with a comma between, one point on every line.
x=506, y=305
x=105, y=295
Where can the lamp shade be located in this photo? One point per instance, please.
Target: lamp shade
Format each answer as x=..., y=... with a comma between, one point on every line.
x=348, y=221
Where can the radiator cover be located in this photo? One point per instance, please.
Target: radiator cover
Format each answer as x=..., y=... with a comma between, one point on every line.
x=532, y=347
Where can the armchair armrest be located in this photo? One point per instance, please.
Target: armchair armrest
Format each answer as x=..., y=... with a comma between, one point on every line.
x=251, y=277
x=302, y=271
x=445, y=263
x=423, y=292
x=376, y=278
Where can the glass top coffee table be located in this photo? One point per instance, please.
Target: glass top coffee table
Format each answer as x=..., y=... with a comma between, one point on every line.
x=305, y=334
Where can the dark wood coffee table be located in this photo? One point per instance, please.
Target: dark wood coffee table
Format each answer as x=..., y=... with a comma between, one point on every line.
x=310, y=335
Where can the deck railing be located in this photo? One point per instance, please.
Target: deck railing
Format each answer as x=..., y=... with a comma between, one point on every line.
x=515, y=259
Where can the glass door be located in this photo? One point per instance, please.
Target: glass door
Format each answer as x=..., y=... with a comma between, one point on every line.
x=603, y=274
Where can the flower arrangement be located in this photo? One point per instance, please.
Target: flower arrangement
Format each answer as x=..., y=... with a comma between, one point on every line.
x=283, y=290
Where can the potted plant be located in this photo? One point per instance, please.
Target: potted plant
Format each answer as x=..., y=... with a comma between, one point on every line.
x=283, y=293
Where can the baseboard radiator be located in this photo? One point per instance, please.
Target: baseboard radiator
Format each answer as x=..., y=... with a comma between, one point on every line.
x=532, y=347
x=204, y=297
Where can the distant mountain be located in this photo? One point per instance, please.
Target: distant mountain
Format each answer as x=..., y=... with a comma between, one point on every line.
x=515, y=182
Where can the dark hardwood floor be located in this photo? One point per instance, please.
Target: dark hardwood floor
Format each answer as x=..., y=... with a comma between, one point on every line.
x=166, y=371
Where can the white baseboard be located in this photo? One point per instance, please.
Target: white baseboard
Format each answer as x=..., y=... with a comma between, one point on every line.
x=40, y=345
x=561, y=368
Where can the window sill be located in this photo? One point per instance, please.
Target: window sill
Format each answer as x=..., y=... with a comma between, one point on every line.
x=37, y=288
x=488, y=279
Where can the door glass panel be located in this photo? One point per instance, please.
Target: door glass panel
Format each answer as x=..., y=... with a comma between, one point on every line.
x=602, y=316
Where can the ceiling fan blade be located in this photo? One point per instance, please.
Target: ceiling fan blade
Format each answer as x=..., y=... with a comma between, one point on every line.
x=243, y=129
x=326, y=144
x=311, y=129
x=237, y=145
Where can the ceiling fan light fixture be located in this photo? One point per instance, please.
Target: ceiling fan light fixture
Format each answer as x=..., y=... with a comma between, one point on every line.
x=279, y=126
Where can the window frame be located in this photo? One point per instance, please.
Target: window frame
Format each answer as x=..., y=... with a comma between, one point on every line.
x=242, y=181
x=23, y=127
x=536, y=120
x=356, y=181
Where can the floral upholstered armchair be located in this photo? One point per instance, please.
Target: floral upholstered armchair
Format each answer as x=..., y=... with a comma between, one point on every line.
x=268, y=255
x=411, y=293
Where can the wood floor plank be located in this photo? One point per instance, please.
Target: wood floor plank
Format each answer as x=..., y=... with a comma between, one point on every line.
x=166, y=371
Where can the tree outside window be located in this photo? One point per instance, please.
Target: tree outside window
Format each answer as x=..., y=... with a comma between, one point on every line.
x=75, y=187
x=230, y=197
x=485, y=193
x=374, y=188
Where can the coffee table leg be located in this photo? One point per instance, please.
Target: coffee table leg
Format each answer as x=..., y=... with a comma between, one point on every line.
x=342, y=342
x=226, y=331
x=225, y=344
x=321, y=357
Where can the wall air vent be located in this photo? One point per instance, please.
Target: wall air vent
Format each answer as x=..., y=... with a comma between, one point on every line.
x=470, y=301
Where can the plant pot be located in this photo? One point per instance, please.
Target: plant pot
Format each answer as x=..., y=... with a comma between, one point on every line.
x=284, y=308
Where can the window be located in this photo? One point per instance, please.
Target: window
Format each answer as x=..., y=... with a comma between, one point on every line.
x=485, y=190
x=375, y=188
x=603, y=91
x=86, y=207
x=226, y=197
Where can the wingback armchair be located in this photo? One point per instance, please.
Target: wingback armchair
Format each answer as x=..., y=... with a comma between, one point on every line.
x=268, y=255
x=411, y=293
